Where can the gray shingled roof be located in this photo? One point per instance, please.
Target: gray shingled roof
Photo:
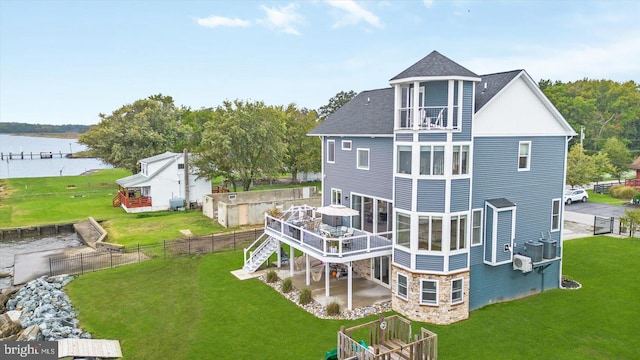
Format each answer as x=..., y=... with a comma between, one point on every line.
x=164, y=155
x=370, y=112
x=501, y=203
x=435, y=64
x=495, y=83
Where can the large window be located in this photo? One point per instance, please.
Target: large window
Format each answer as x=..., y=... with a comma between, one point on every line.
x=425, y=160
x=336, y=196
x=555, y=215
x=430, y=233
x=456, y=291
x=438, y=160
x=403, y=287
x=429, y=292
x=460, y=160
x=404, y=159
x=476, y=227
x=458, y=232
x=403, y=230
x=363, y=159
x=431, y=160
x=524, y=156
x=331, y=151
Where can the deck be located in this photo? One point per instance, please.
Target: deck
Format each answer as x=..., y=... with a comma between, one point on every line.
x=101, y=349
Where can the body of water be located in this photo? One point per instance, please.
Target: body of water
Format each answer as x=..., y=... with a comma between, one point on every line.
x=37, y=167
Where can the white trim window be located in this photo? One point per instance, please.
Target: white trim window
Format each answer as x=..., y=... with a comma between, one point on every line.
x=402, y=289
x=555, y=214
x=457, y=292
x=429, y=292
x=430, y=233
x=460, y=160
x=432, y=160
x=336, y=197
x=403, y=229
x=476, y=227
x=331, y=151
x=524, y=155
x=346, y=145
x=363, y=159
x=458, y=232
x=404, y=159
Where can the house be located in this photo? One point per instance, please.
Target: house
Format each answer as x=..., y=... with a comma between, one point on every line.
x=634, y=182
x=165, y=181
x=458, y=182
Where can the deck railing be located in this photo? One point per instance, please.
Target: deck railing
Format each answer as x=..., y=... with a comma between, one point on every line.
x=133, y=202
x=633, y=183
x=429, y=118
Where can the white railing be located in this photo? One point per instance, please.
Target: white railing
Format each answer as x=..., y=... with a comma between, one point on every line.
x=259, y=243
x=429, y=118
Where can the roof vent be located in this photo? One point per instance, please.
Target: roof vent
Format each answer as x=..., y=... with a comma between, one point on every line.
x=485, y=85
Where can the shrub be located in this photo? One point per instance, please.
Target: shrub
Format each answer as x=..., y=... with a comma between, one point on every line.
x=305, y=296
x=622, y=192
x=333, y=308
x=272, y=276
x=286, y=285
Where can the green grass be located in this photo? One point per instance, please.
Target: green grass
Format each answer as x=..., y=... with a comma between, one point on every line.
x=605, y=199
x=190, y=308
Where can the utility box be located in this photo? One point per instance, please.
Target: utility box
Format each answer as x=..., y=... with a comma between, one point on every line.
x=176, y=204
x=549, y=248
x=533, y=249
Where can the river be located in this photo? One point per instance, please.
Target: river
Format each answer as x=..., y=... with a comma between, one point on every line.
x=37, y=167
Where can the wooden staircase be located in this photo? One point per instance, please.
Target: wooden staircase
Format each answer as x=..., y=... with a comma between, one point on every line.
x=257, y=257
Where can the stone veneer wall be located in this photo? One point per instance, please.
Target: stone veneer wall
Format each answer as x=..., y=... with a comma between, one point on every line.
x=363, y=268
x=445, y=312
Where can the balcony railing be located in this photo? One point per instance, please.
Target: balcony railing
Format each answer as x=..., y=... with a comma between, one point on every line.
x=429, y=118
x=134, y=202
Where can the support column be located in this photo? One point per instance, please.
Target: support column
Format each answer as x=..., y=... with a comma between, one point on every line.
x=350, y=286
x=308, y=267
x=292, y=260
x=326, y=279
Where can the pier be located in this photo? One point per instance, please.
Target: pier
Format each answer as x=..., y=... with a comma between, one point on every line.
x=34, y=155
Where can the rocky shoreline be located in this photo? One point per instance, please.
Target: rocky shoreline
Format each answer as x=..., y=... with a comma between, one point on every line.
x=40, y=310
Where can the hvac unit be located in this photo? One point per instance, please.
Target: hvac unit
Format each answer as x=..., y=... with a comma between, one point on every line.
x=523, y=263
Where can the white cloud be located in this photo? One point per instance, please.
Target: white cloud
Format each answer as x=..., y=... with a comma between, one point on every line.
x=352, y=14
x=215, y=21
x=427, y=3
x=283, y=19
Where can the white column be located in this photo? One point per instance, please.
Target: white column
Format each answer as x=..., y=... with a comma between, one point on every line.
x=350, y=287
x=415, y=104
x=450, y=105
x=308, y=267
x=326, y=280
x=291, y=261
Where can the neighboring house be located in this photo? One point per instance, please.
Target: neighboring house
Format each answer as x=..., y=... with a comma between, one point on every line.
x=635, y=182
x=466, y=171
x=161, y=185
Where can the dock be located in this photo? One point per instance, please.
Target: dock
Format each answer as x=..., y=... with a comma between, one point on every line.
x=34, y=155
x=89, y=348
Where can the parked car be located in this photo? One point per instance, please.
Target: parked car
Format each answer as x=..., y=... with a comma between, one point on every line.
x=575, y=195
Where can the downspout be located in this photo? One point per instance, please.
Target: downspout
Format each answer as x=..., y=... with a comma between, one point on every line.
x=187, y=202
x=561, y=242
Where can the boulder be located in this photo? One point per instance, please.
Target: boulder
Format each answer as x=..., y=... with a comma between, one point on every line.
x=31, y=333
x=8, y=327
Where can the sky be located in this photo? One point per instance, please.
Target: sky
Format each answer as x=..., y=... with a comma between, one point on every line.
x=65, y=62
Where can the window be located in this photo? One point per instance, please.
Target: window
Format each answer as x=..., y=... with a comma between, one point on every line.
x=431, y=160
x=403, y=230
x=336, y=197
x=404, y=159
x=476, y=227
x=402, y=286
x=460, y=160
x=331, y=151
x=429, y=292
x=438, y=160
x=456, y=291
x=458, y=232
x=346, y=145
x=425, y=160
x=430, y=233
x=555, y=215
x=524, y=156
x=180, y=166
x=363, y=159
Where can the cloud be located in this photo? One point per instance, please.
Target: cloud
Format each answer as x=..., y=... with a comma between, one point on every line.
x=282, y=19
x=215, y=21
x=352, y=14
x=427, y=3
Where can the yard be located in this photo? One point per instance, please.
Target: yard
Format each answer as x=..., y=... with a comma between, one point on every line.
x=189, y=308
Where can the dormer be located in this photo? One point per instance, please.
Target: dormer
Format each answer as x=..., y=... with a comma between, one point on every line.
x=428, y=96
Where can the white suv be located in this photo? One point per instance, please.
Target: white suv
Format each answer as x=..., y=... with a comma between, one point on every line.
x=575, y=195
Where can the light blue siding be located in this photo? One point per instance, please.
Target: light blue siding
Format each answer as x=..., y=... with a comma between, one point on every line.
x=402, y=257
x=467, y=113
x=460, y=194
x=432, y=137
x=504, y=235
x=430, y=262
x=404, y=137
x=431, y=195
x=404, y=190
x=488, y=238
x=458, y=262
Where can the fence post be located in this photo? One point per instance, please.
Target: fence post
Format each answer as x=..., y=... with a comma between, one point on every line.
x=164, y=248
x=138, y=252
x=81, y=265
x=111, y=257
x=189, y=247
x=50, y=271
x=212, y=246
x=234, y=240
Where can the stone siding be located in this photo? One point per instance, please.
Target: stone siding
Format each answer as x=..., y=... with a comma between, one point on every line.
x=445, y=312
x=363, y=268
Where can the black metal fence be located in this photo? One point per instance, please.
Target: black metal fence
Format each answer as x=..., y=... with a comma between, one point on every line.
x=603, y=225
x=99, y=260
x=602, y=188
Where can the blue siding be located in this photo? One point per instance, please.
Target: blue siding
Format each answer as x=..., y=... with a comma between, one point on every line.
x=477, y=252
x=431, y=195
x=436, y=93
x=404, y=137
x=430, y=136
x=488, y=230
x=504, y=235
x=460, y=194
x=402, y=257
x=467, y=113
x=458, y=262
x=430, y=262
x=380, y=169
x=404, y=190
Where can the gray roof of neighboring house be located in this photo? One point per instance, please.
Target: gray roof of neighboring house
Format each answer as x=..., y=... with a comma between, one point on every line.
x=435, y=64
x=132, y=180
x=495, y=83
x=370, y=112
x=163, y=156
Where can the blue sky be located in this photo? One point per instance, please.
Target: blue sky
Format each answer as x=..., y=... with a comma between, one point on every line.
x=64, y=62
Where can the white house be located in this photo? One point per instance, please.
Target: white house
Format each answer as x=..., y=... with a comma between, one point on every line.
x=165, y=181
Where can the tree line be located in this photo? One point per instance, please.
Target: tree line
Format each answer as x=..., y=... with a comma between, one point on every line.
x=23, y=128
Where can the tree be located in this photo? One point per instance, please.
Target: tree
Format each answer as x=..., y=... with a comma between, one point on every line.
x=581, y=168
x=619, y=156
x=242, y=141
x=303, y=152
x=135, y=131
x=630, y=220
x=335, y=103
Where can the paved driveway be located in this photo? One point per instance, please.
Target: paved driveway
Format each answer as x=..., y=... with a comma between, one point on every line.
x=592, y=208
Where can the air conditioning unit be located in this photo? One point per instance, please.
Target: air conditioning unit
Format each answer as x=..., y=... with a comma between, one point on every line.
x=523, y=263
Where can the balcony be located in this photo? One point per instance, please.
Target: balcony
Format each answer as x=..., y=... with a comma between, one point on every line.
x=428, y=118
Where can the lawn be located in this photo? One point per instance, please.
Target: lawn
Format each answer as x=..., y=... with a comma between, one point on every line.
x=605, y=199
x=189, y=308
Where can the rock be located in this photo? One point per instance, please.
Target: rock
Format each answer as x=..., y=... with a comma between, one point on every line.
x=8, y=327
x=14, y=315
x=30, y=334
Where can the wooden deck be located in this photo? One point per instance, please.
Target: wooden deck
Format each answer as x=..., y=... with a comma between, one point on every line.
x=102, y=349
